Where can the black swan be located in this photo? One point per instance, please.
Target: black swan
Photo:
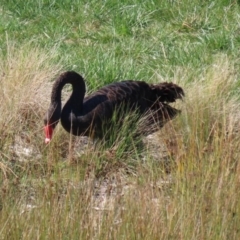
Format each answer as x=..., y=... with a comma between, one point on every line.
x=85, y=116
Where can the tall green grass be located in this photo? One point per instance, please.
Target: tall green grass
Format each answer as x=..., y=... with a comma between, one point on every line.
x=184, y=184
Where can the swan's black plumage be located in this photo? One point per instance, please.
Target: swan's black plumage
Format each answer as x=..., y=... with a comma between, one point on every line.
x=85, y=116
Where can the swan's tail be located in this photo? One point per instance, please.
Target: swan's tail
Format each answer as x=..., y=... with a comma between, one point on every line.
x=167, y=92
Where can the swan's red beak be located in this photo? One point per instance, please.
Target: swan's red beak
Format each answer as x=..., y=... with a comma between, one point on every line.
x=48, y=133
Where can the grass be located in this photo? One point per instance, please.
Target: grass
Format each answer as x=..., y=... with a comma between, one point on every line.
x=183, y=184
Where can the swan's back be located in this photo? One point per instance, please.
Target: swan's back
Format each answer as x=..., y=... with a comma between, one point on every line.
x=130, y=92
x=134, y=91
x=151, y=102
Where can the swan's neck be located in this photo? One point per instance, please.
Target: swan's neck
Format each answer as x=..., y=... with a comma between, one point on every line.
x=56, y=94
x=74, y=105
x=78, y=89
x=72, y=108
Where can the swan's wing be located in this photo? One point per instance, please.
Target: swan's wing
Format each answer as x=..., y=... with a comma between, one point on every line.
x=123, y=97
x=130, y=92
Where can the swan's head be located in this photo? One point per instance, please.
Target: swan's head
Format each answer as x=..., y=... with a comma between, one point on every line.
x=50, y=122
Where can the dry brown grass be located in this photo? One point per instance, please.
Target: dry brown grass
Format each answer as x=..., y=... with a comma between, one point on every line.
x=44, y=197
x=24, y=96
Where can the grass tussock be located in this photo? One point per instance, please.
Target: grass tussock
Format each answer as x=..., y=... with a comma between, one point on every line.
x=24, y=94
x=105, y=194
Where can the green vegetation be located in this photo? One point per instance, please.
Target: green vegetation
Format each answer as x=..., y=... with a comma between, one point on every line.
x=184, y=184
